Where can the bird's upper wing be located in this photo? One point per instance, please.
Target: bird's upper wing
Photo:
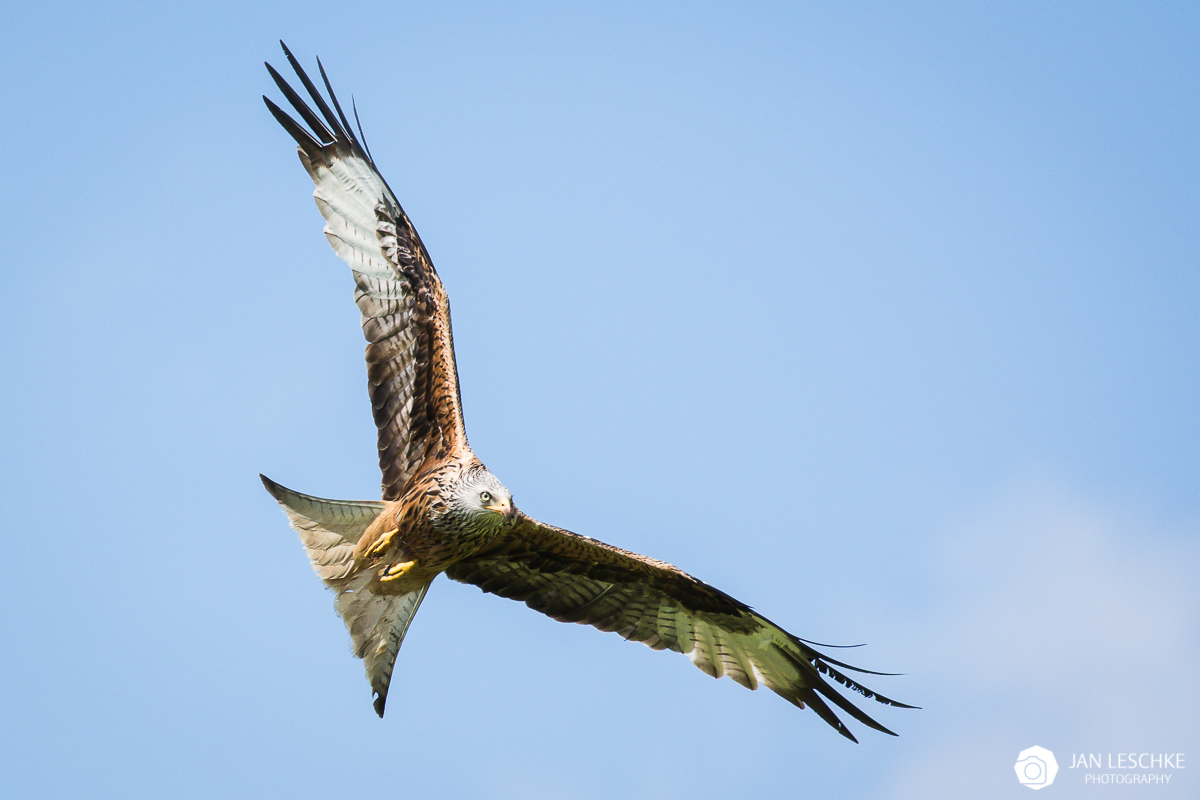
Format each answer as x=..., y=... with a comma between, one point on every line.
x=576, y=579
x=412, y=377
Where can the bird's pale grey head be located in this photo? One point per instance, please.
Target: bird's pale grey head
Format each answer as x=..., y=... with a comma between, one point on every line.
x=479, y=500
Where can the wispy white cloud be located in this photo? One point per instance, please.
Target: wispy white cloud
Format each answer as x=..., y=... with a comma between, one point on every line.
x=1058, y=621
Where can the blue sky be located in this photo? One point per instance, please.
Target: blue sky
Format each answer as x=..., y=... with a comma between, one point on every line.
x=882, y=319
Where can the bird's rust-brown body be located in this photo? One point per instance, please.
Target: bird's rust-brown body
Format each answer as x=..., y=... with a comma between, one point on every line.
x=442, y=511
x=407, y=545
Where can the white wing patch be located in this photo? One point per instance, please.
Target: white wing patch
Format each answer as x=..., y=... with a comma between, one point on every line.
x=347, y=192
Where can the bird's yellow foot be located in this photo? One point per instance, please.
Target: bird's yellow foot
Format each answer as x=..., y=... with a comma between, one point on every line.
x=397, y=571
x=382, y=543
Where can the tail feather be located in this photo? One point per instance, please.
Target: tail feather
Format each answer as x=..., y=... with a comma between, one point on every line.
x=330, y=531
x=377, y=623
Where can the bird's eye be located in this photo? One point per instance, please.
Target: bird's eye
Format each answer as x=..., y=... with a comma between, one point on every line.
x=485, y=497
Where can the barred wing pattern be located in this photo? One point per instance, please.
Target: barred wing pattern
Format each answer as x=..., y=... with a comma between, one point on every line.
x=412, y=378
x=572, y=578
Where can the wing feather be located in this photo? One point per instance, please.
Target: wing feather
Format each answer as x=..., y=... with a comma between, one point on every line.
x=572, y=578
x=412, y=378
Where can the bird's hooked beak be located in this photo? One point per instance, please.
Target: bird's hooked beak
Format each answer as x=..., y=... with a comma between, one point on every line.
x=504, y=507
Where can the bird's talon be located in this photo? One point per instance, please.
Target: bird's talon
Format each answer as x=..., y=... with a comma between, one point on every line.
x=397, y=571
x=383, y=543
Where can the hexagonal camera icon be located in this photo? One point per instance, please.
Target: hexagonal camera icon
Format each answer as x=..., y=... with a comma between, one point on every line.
x=1036, y=767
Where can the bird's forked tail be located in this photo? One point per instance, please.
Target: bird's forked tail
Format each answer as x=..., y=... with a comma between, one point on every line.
x=329, y=531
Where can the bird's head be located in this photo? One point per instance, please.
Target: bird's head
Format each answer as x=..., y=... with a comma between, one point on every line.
x=480, y=500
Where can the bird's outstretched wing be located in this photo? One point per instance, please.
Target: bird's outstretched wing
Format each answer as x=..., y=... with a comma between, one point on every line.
x=576, y=579
x=412, y=377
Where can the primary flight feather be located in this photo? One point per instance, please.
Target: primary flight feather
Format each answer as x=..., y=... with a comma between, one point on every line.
x=442, y=510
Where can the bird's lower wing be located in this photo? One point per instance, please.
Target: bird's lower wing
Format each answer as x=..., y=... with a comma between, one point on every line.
x=573, y=578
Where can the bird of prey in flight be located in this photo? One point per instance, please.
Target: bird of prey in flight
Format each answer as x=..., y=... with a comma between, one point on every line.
x=442, y=511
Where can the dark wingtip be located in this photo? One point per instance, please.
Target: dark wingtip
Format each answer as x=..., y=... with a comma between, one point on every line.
x=813, y=701
x=820, y=644
x=302, y=137
x=380, y=702
x=271, y=486
x=333, y=98
x=314, y=122
x=361, y=136
x=898, y=704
